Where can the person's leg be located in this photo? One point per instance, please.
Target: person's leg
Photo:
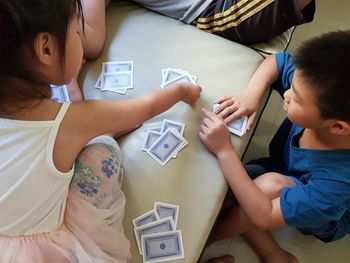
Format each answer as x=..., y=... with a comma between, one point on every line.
x=93, y=39
x=230, y=209
x=97, y=172
x=234, y=221
x=249, y=22
x=266, y=247
x=303, y=3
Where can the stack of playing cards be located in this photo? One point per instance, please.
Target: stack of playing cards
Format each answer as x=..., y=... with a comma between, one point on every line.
x=238, y=127
x=116, y=77
x=156, y=235
x=172, y=76
x=165, y=144
x=59, y=93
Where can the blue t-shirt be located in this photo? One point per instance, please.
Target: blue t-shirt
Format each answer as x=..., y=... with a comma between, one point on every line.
x=320, y=202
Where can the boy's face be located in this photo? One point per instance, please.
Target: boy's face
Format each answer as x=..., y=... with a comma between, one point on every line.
x=300, y=104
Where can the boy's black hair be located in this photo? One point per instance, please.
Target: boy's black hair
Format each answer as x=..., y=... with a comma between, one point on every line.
x=325, y=63
x=20, y=22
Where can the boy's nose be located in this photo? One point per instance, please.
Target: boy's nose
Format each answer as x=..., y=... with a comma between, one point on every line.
x=286, y=96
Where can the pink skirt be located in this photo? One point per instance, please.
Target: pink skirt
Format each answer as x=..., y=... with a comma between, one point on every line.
x=92, y=228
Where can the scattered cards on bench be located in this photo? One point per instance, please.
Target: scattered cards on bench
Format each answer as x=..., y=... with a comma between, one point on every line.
x=156, y=235
x=116, y=76
x=164, y=145
x=59, y=93
x=238, y=127
x=172, y=76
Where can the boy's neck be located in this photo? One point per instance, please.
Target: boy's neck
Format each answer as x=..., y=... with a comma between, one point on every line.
x=323, y=140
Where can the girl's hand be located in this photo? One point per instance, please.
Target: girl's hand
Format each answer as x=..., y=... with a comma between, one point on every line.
x=243, y=104
x=214, y=133
x=191, y=93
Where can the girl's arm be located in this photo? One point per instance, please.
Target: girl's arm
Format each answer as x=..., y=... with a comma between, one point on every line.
x=261, y=211
x=88, y=119
x=247, y=102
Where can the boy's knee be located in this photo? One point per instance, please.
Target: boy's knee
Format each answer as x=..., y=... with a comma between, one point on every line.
x=273, y=183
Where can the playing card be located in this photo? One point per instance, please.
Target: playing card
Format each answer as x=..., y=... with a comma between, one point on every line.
x=146, y=218
x=151, y=137
x=169, y=124
x=121, y=81
x=98, y=82
x=166, y=145
x=165, y=210
x=239, y=126
x=59, y=93
x=117, y=66
x=183, y=146
x=172, y=74
x=162, y=225
x=162, y=247
x=116, y=90
x=180, y=79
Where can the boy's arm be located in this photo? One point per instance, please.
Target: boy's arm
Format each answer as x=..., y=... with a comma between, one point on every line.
x=247, y=102
x=261, y=211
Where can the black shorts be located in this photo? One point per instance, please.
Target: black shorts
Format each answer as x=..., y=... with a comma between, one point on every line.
x=252, y=21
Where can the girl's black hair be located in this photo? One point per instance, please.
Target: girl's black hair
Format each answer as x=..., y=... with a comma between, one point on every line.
x=325, y=63
x=20, y=22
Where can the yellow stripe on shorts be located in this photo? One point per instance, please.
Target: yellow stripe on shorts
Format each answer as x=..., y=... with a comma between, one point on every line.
x=224, y=24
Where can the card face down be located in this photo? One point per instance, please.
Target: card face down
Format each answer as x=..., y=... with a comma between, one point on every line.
x=159, y=226
x=162, y=247
x=239, y=126
x=166, y=146
x=165, y=210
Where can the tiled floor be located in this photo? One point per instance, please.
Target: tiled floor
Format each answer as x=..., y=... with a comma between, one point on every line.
x=330, y=15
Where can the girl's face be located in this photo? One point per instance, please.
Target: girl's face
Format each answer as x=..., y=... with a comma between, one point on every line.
x=74, y=50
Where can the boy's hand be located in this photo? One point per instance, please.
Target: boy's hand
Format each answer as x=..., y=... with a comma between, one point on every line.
x=214, y=133
x=191, y=93
x=232, y=107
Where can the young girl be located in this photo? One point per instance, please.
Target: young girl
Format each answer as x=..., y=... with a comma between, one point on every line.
x=46, y=216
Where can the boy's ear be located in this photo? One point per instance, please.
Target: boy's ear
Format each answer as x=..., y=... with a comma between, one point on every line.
x=340, y=128
x=44, y=47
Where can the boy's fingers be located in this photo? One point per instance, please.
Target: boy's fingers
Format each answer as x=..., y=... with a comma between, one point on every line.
x=251, y=119
x=222, y=99
x=233, y=116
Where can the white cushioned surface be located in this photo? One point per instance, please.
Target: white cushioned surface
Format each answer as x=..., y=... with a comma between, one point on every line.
x=193, y=180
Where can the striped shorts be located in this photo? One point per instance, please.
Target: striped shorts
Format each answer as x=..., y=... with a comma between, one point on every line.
x=252, y=21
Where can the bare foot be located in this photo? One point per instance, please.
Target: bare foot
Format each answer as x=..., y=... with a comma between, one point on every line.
x=281, y=257
x=222, y=259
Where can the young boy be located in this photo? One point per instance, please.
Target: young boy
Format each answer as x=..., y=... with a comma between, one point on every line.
x=305, y=182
